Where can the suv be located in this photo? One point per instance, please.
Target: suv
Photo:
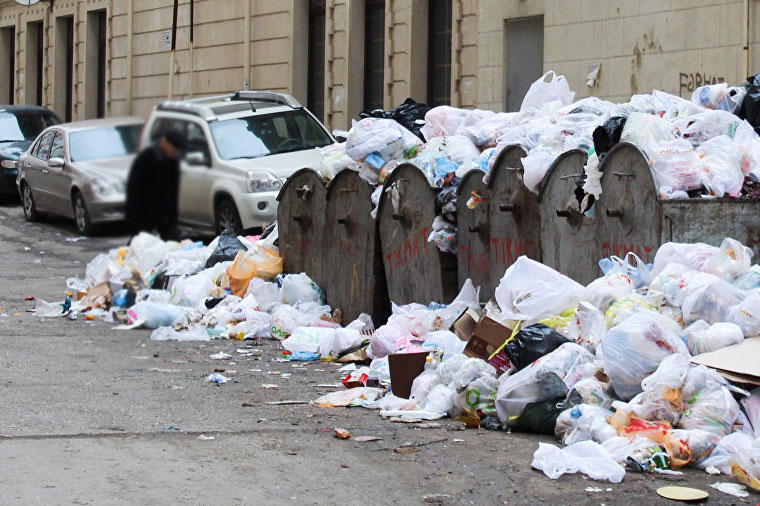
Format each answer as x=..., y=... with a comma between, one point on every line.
x=241, y=148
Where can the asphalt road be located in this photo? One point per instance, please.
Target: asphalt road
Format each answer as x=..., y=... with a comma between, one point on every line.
x=92, y=415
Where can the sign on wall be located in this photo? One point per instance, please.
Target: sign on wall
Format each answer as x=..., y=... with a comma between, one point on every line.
x=166, y=40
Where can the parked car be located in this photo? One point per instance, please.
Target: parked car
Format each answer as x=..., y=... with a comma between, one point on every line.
x=79, y=170
x=241, y=148
x=19, y=126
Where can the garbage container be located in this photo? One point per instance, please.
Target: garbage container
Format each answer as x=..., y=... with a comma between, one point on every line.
x=301, y=221
x=513, y=212
x=415, y=269
x=474, y=235
x=631, y=217
x=351, y=247
x=568, y=238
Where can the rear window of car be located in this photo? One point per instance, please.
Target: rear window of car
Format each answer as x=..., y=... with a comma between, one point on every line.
x=105, y=142
x=23, y=126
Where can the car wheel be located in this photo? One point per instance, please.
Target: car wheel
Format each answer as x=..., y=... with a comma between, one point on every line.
x=227, y=218
x=82, y=217
x=30, y=208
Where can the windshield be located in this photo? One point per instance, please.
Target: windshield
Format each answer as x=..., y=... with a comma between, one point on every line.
x=24, y=126
x=269, y=134
x=106, y=142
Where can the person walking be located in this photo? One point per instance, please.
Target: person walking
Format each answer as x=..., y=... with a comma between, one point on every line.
x=153, y=187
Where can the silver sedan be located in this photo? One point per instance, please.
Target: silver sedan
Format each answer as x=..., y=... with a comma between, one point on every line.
x=79, y=170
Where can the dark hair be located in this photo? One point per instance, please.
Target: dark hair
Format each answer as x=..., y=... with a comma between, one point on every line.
x=176, y=138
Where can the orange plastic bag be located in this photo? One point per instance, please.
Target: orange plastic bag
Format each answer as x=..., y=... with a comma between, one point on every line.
x=264, y=264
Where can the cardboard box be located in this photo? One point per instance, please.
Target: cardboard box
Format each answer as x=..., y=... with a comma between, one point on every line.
x=487, y=337
x=404, y=367
x=464, y=326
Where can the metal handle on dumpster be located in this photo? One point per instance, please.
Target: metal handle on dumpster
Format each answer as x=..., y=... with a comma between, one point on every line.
x=571, y=176
x=343, y=221
x=476, y=228
x=303, y=191
x=296, y=217
x=397, y=216
x=507, y=208
x=563, y=213
x=615, y=213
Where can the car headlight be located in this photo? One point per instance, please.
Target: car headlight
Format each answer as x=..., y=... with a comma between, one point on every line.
x=102, y=188
x=9, y=164
x=261, y=181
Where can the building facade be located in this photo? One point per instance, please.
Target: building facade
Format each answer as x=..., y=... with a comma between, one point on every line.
x=91, y=58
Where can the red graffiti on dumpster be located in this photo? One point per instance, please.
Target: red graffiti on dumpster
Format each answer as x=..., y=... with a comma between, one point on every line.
x=476, y=260
x=412, y=248
x=505, y=251
x=622, y=249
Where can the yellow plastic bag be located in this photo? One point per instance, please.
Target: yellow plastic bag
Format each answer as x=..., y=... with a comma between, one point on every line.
x=264, y=264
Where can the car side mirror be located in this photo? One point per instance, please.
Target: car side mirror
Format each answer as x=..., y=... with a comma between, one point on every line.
x=196, y=158
x=55, y=163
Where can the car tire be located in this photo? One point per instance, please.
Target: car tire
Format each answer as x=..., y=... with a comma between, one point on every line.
x=227, y=217
x=81, y=215
x=27, y=200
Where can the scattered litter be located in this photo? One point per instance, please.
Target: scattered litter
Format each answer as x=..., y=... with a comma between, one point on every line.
x=203, y=437
x=682, y=493
x=220, y=356
x=593, y=489
x=366, y=439
x=286, y=403
x=76, y=239
x=341, y=433
x=269, y=386
x=734, y=489
x=217, y=378
x=712, y=470
x=172, y=428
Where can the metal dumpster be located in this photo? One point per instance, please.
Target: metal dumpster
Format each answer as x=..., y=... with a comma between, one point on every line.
x=415, y=269
x=567, y=237
x=351, y=251
x=301, y=222
x=474, y=235
x=513, y=211
x=631, y=217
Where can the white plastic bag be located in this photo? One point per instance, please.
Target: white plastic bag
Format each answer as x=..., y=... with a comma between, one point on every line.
x=543, y=91
x=308, y=339
x=531, y=290
x=701, y=337
x=300, y=288
x=384, y=340
x=721, y=166
x=646, y=130
x=383, y=137
x=146, y=251
x=746, y=314
x=574, y=424
x=155, y=314
x=710, y=301
x=443, y=120
x=100, y=269
x=608, y=289
x=460, y=149
x=194, y=333
x=440, y=399
x=535, y=166
x=675, y=164
x=586, y=457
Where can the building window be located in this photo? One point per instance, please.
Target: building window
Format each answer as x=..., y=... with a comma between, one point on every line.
x=374, y=53
x=315, y=95
x=95, y=77
x=8, y=62
x=439, y=52
x=64, y=67
x=525, y=57
x=34, y=53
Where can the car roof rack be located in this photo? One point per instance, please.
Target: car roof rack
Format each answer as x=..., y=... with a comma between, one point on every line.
x=204, y=106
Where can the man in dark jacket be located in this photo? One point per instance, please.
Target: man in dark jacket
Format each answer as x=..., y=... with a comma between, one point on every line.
x=153, y=187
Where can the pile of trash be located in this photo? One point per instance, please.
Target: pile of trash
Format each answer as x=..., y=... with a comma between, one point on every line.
x=704, y=147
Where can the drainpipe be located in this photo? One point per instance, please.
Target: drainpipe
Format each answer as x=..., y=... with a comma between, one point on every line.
x=130, y=37
x=174, y=50
x=745, y=49
x=247, y=46
x=192, y=40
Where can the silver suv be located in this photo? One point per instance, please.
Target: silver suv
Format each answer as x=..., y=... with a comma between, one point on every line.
x=241, y=148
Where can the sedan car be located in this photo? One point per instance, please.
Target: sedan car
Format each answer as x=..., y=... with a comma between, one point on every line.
x=19, y=126
x=79, y=170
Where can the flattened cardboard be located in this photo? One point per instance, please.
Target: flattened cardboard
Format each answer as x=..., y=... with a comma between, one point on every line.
x=404, y=367
x=96, y=291
x=486, y=339
x=465, y=325
x=737, y=361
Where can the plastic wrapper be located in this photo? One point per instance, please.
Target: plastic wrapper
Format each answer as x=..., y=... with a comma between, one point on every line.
x=634, y=348
x=701, y=337
x=530, y=290
x=548, y=88
x=154, y=314
x=574, y=424
x=551, y=376
x=721, y=166
x=676, y=165
x=531, y=343
x=443, y=120
x=300, y=288
x=43, y=309
x=586, y=457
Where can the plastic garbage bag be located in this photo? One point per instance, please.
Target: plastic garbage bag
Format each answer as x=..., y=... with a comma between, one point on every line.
x=267, y=294
x=410, y=115
x=154, y=314
x=443, y=120
x=422, y=385
x=586, y=457
x=721, y=166
x=360, y=396
x=461, y=149
x=449, y=367
x=695, y=256
x=750, y=280
x=634, y=348
x=539, y=417
x=731, y=260
x=100, y=269
x=671, y=107
x=551, y=376
x=531, y=343
x=530, y=290
x=194, y=333
x=478, y=396
x=608, y=134
x=590, y=326
x=260, y=263
x=710, y=405
x=543, y=91
x=384, y=340
x=193, y=290
x=661, y=395
x=444, y=341
x=45, y=309
x=300, y=288
x=719, y=96
x=701, y=337
x=593, y=391
x=308, y=339
x=675, y=164
x=574, y=424
x=286, y=318
x=631, y=266
x=700, y=443
x=440, y=399
x=608, y=289
x=710, y=301
x=379, y=140
x=227, y=248
x=339, y=341
x=146, y=251
x=485, y=127
x=744, y=460
x=535, y=165
x=709, y=124
x=645, y=130
x=751, y=405
x=471, y=369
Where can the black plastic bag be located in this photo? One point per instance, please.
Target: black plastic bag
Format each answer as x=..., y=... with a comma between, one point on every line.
x=410, y=115
x=607, y=135
x=532, y=343
x=446, y=204
x=750, y=109
x=540, y=417
x=226, y=250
